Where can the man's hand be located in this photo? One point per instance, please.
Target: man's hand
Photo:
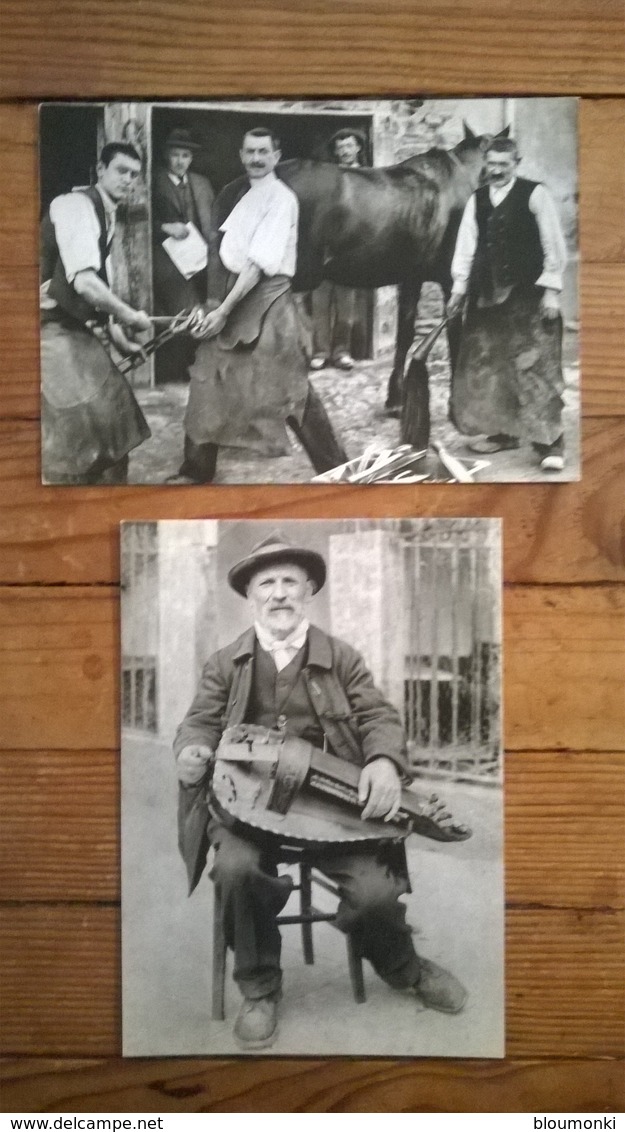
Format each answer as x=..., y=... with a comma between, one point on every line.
x=124, y=344
x=192, y=762
x=178, y=230
x=139, y=320
x=455, y=305
x=209, y=325
x=380, y=788
x=550, y=305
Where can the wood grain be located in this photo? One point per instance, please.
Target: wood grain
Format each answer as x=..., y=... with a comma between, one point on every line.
x=272, y=1085
x=59, y=647
x=62, y=809
x=55, y=535
x=392, y=47
x=60, y=981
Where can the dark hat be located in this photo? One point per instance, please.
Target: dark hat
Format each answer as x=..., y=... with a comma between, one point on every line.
x=181, y=138
x=276, y=548
x=348, y=132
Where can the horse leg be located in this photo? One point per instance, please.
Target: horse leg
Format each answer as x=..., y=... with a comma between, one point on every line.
x=408, y=300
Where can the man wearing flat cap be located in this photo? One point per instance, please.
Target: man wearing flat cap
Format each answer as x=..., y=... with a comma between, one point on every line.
x=285, y=674
x=180, y=198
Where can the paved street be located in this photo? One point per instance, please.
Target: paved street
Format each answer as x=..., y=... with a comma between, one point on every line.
x=455, y=910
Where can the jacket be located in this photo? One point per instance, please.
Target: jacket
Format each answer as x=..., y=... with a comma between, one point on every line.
x=166, y=202
x=359, y=723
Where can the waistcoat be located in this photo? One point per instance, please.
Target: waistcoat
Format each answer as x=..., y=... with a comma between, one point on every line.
x=280, y=699
x=51, y=267
x=509, y=252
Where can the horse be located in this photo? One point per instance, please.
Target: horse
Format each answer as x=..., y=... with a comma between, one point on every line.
x=372, y=227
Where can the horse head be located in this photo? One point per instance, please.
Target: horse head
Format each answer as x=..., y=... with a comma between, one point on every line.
x=471, y=152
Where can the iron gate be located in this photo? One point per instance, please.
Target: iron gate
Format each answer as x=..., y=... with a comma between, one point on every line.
x=452, y=647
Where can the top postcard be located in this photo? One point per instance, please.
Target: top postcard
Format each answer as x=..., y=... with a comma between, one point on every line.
x=327, y=291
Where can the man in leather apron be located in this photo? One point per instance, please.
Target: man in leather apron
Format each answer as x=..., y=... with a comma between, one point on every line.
x=250, y=374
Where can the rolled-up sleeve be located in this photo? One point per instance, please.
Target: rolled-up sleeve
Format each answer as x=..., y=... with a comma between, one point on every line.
x=275, y=236
x=77, y=233
x=464, y=253
x=551, y=237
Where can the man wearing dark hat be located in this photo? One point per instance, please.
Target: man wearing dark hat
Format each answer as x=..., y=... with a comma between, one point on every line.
x=286, y=674
x=180, y=198
x=333, y=305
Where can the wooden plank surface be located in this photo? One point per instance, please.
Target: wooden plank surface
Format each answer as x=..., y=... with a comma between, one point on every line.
x=272, y=1085
x=68, y=955
x=563, y=566
x=55, y=535
x=62, y=809
x=469, y=46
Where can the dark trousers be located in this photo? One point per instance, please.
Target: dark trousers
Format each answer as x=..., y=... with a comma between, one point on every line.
x=253, y=895
x=315, y=434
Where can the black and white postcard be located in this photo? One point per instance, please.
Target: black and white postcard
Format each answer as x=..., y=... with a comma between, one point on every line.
x=351, y=291
x=312, y=857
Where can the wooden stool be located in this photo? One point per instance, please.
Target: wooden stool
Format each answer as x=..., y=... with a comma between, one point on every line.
x=307, y=916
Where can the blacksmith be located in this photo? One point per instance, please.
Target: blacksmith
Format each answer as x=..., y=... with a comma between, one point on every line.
x=90, y=419
x=285, y=673
x=508, y=264
x=333, y=306
x=181, y=197
x=250, y=375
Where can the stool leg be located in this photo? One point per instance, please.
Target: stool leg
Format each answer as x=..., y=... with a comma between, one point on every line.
x=305, y=898
x=354, y=961
x=219, y=958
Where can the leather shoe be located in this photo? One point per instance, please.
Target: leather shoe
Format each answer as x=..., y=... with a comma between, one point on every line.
x=439, y=989
x=487, y=444
x=343, y=361
x=319, y=361
x=256, y=1026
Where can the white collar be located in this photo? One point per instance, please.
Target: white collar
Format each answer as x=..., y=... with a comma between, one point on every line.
x=175, y=179
x=294, y=641
x=498, y=194
x=258, y=184
x=107, y=201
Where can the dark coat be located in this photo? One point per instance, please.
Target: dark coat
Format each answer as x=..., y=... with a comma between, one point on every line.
x=173, y=292
x=359, y=723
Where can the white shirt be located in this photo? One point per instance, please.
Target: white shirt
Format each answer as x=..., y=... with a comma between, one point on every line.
x=283, y=651
x=77, y=234
x=176, y=180
x=549, y=228
x=262, y=229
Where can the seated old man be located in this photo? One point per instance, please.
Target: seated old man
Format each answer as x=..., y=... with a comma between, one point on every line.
x=284, y=673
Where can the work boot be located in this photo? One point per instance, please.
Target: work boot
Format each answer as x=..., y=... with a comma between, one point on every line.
x=439, y=989
x=256, y=1026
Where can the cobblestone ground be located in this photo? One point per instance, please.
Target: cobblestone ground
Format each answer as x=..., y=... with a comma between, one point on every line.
x=354, y=402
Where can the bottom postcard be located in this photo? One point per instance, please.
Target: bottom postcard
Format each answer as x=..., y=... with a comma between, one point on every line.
x=312, y=846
